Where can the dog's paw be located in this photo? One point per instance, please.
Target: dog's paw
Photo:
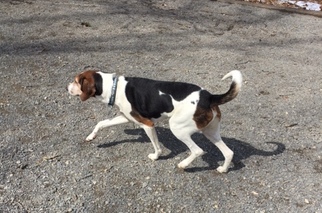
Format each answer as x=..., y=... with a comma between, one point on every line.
x=222, y=169
x=153, y=156
x=182, y=164
x=90, y=137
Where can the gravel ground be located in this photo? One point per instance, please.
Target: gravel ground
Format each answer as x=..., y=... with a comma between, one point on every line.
x=274, y=126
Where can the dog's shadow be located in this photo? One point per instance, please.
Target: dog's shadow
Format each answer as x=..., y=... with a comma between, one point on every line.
x=212, y=156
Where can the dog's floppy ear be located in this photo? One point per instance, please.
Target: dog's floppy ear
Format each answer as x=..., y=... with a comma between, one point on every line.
x=87, y=86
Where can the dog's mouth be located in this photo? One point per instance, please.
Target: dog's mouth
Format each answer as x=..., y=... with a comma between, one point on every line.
x=74, y=89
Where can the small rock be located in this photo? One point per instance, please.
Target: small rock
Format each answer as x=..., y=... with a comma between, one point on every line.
x=254, y=193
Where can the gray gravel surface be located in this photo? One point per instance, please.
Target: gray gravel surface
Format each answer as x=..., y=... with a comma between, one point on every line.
x=274, y=126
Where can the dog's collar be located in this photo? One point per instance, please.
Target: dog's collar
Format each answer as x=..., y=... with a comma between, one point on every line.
x=113, y=92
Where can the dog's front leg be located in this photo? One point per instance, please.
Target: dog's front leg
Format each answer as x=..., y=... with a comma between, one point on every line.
x=152, y=134
x=106, y=123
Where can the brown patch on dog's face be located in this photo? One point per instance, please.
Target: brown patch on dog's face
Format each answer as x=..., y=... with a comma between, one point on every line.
x=83, y=85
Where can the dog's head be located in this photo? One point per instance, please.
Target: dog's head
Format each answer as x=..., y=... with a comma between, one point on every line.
x=86, y=84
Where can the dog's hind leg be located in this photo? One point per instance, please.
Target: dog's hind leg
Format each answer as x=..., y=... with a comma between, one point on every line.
x=212, y=132
x=152, y=134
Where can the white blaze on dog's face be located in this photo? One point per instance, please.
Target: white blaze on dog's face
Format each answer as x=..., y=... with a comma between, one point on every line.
x=75, y=87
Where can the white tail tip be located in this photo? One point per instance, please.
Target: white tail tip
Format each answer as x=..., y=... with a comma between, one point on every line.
x=236, y=76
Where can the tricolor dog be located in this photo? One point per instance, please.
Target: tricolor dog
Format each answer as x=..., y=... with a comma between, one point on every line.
x=189, y=108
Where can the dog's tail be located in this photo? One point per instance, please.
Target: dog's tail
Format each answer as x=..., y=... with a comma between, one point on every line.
x=232, y=92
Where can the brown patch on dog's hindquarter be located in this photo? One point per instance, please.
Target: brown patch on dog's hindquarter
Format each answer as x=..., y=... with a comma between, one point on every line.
x=217, y=110
x=203, y=117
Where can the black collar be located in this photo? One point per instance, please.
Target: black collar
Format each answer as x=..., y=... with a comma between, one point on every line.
x=113, y=92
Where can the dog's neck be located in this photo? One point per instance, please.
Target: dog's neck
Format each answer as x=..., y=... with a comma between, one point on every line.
x=113, y=91
x=109, y=88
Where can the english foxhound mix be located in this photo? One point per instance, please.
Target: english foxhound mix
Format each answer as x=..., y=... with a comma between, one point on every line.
x=189, y=108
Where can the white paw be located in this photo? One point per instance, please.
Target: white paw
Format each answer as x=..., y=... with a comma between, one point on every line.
x=182, y=165
x=222, y=169
x=153, y=156
x=90, y=137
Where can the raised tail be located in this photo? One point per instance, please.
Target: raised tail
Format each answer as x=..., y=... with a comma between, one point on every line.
x=233, y=90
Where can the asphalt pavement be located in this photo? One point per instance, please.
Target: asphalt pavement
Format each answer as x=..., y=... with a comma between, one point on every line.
x=274, y=126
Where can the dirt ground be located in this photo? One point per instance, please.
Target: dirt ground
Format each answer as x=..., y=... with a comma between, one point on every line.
x=274, y=126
